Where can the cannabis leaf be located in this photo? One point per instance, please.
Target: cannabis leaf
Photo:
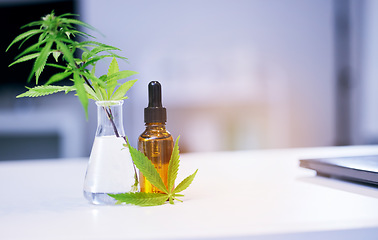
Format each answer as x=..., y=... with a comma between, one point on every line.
x=148, y=170
x=141, y=199
x=39, y=91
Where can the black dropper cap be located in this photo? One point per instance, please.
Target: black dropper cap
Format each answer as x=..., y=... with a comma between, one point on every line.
x=155, y=112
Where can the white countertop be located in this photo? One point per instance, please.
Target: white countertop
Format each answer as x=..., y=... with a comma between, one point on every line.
x=235, y=195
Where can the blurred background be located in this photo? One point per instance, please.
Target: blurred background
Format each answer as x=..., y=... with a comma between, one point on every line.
x=236, y=74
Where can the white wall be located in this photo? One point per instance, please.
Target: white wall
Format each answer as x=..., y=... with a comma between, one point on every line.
x=235, y=74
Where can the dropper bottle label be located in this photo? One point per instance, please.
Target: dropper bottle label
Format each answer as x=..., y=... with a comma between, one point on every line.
x=155, y=142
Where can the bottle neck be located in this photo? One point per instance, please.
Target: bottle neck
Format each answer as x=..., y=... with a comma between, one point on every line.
x=109, y=118
x=155, y=131
x=155, y=125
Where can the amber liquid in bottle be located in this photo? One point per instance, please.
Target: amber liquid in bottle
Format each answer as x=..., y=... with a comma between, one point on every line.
x=157, y=144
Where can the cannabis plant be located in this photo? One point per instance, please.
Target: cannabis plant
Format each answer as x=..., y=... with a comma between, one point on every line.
x=56, y=40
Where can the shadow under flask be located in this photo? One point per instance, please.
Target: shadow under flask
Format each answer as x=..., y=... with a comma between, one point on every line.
x=110, y=167
x=155, y=142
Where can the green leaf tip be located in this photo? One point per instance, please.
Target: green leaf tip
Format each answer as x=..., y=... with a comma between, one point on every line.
x=25, y=58
x=185, y=183
x=113, y=67
x=174, y=164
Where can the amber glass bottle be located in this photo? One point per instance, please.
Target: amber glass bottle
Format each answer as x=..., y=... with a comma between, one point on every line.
x=155, y=142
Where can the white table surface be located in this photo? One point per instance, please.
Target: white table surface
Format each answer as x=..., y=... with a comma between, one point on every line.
x=236, y=195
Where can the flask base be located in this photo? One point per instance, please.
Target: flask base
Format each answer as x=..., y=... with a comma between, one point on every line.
x=99, y=198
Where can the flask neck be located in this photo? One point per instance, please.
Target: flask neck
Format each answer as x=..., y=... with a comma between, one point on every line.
x=109, y=118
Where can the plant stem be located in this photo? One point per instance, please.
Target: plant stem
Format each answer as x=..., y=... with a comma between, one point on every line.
x=110, y=117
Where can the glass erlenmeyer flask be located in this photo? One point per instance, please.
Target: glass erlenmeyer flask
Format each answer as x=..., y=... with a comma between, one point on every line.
x=110, y=167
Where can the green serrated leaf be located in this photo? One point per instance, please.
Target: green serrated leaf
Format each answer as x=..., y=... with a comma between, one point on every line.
x=82, y=94
x=24, y=35
x=68, y=55
x=78, y=22
x=39, y=91
x=101, y=93
x=101, y=89
x=68, y=15
x=185, y=183
x=42, y=36
x=69, y=42
x=113, y=68
x=146, y=167
x=26, y=39
x=95, y=59
x=121, y=75
x=100, y=49
x=92, y=77
x=41, y=60
x=95, y=44
x=103, y=78
x=31, y=24
x=79, y=33
x=141, y=199
x=25, y=58
x=98, y=91
x=173, y=166
x=33, y=48
x=92, y=93
x=58, y=66
x=122, y=90
x=58, y=77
